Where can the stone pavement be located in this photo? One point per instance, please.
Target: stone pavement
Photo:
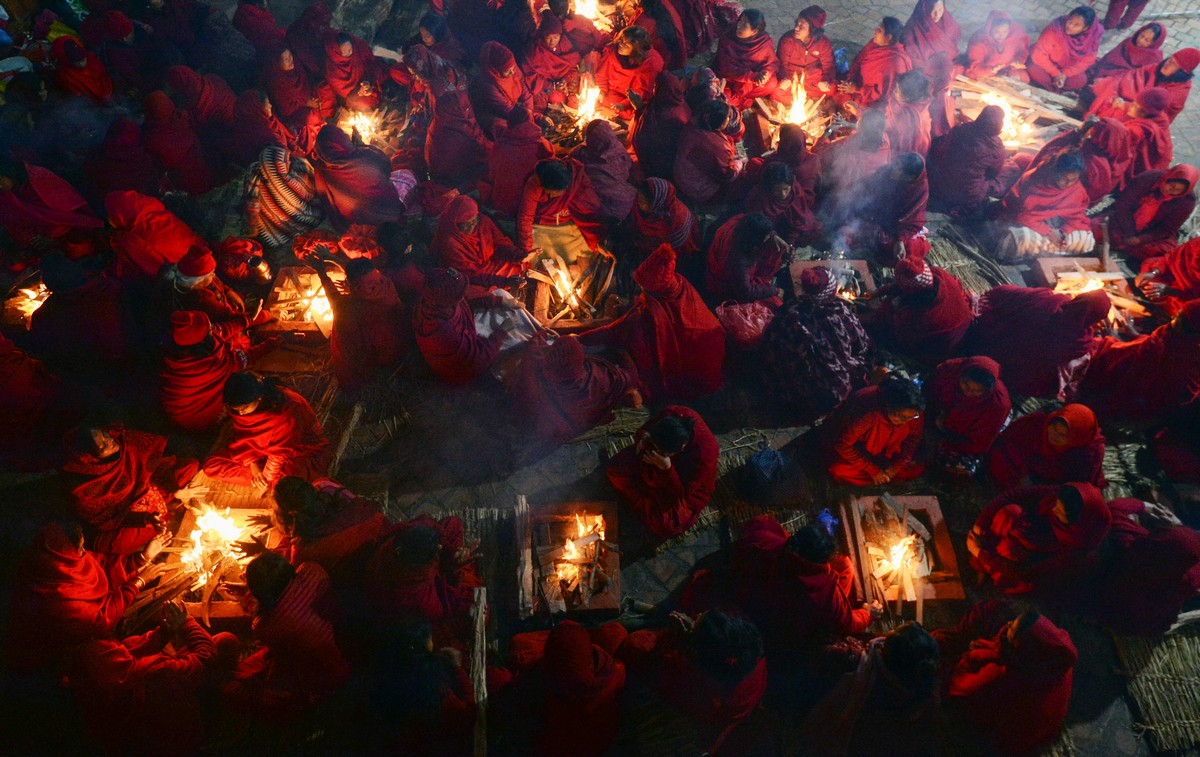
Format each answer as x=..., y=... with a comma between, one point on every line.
x=852, y=22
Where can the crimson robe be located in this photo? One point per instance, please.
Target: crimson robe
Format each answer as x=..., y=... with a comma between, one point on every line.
x=207, y=99
x=741, y=61
x=675, y=341
x=287, y=441
x=705, y=165
x=923, y=37
x=861, y=442
x=253, y=130
x=91, y=81
x=455, y=148
x=485, y=255
x=1034, y=334
x=969, y=425
x=1057, y=52
x=145, y=234
x=1142, y=210
x=120, y=162
x=1037, y=203
x=291, y=93
x=258, y=26
x=306, y=37
x=657, y=128
x=557, y=411
x=1022, y=451
x=925, y=325
x=731, y=276
x=578, y=205
x=986, y=58
x=1127, y=56
x=1130, y=84
x=1107, y=153
x=668, y=502
x=449, y=343
x=608, y=165
x=61, y=597
x=510, y=164
x=169, y=137
x=493, y=95
x=614, y=78
x=345, y=74
x=356, y=181
x=792, y=216
x=1153, y=147
x=668, y=221
x=908, y=125
x=1179, y=269
x=192, y=384
x=810, y=64
x=544, y=67
x=875, y=70
x=964, y=167
x=44, y=206
x=370, y=330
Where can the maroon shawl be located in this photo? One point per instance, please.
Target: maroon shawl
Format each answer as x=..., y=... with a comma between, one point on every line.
x=1128, y=56
x=923, y=37
x=356, y=181
x=658, y=127
x=207, y=99
x=971, y=423
x=986, y=57
x=607, y=164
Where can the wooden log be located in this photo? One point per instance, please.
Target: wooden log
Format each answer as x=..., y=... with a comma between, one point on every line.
x=524, y=537
x=860, y=548
x=479, y=669
x=344, y=440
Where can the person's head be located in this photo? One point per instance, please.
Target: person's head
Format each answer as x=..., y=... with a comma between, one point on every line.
x=498, y=60
x=871, y=129
x=633, y=42
x=1148, y=35
x=267, y=578
x=96, y=442
x=991, y=120
x=287, y=61
x=560, y=8
x=554, y=176
x=198, y=266
x=1067, y=505
x=937, y=11
x=777, y=179
x=911, y=655
x=751, y=233
x=913, y=86
x=976, y=381
x=298, y=506
x=750, y=23
x=726, y=647
x=432, y=29
x=75, y=54
x=888, y=32
x=1179, y=180
x=1151, y=102
x=357, y=268
x=246, y=392
x=1079, y=21
x=907, y=167
x=715, y=115
x=1019, y=626
x=802, y=30
x=417, y=546
x=1068, y=169
x=345, y=45
x=1001, y=28
x=670, y=435
x=902, y=400
x=1187, y=320
x=1181, y=64
x=550, y=29
x=1072, y=425
x=813, y=544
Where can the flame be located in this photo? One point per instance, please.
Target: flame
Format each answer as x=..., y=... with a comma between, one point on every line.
x=1076, y=287
x=847, y=294
x=588, y=9
x=30, y=299
x=798, y=113
x=900, y=554
x=318, y=305
x=364, y=124
x=585, y=525
x=589, y=98
x=214, y=538
x=1016, y=132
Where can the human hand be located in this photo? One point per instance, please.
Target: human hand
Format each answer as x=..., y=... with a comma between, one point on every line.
x=466, y=553
x=1154, y=290
x=847, y=87
x=174, y=616
x=824, y=86
x=681, y=622
x=762, y=78
x=155, y=547
x=876, y=609
x=258, y=478
x=1060, y=81
x=633, y=398
x=154, y=570
x=786, y=85
x=973, y=542
x=882, y=477
x=657, y=459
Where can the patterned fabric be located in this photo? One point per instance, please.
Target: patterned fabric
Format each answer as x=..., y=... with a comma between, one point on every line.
x=281, y=197
x=815, y=352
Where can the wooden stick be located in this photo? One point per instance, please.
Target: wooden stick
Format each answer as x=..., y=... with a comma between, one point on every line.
x=524, y=535
x=479, y=669
x=920, y=590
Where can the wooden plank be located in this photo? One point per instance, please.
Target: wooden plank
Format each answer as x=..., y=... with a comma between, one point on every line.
x=524, y=536
x=859, y=583
x=479, y=669
x=860, y=550
x=946, y=583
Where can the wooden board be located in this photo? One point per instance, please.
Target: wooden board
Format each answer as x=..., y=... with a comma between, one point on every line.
x=858, y=266
x=1045, y=270
x=550, y=517
x=927, y=510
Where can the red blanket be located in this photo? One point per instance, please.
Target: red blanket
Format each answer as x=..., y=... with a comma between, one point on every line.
x=509, y=165
x=191, y=382
x=793, y=215
x=1037, y=202
x=499, y=87
x=608, y=165
x=356, y=181
x=986, y=57
x=861, y=442
x=744, y=276
x=812, y=64
x=484, y=254
x=345, y=74
x=908, y=125
x=1057, y=52
x=1128, y=85
x=704, y=164
x=207, y=99
x=253, y=129
x=925, y=325
x=258, y=26
x=169, y=137
x=145, y=234
x=615, y=77
x=923, y=37
x=963, y=167
x=1128, y=56
x=1153, y=148
x=876, y=69
x=969, y=425
x=28, y=394
x=449, y=343
x=286, y=441
x=104, y=489
x=44, y=206
x=306, y=37
x=657, y=128
x=1023, y=452
x=92, y=80
x=667, y=221
x=741, y=62
x=1180, y=269
x=543, y=65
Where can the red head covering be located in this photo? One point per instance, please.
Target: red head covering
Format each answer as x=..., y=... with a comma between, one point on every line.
x=656, y=275
x=239, y=247
x=1092, y=524
x=549, y=25
x=1087, y=309
x=198, y=261
x=1082, y=428
x=496, y=58
x=117, y=25
x=445, y=286
x=572, y=661
x=73, y=52
x=913, y=274
x=818, y=281
x=564, y=360
x=815, y=16
x=189, y=327
x=1148, y=208
x=1187, y=58
x=991, y=120
x=1154, y=100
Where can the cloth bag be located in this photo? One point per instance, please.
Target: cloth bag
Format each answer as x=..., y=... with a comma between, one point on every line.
x=744, y=322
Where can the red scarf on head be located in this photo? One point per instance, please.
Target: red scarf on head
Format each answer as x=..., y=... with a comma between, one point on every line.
x=985, y=54
x=166, y=132
x=355, y=180
x=289, y=439
x=793, y=215
x=608, y=164
x=104, y=488
x=551, y=64
x=923, y=37
x=207, y=98
x=1148, y=208
x=289, y=90
x=668, y=220
x=1082, y=428
x=90, y=81
x=306, y=37
x=1182, y=266
x=473, y=253
x=495, y=59
x=743, y=59
x=56, y=571
x=1090, y=527
x=1075, y=48
x=345, y=74
x=1128, y=56
x=657, y=127
x=877, y=68
x=979, y=419
x=1153, y=148
x=1035, y=200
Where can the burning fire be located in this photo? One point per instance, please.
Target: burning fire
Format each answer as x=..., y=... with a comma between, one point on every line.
x=1076, y=287
x=213, y=539
x=798, y=113
x=588, y=8
x=318, y=309
x=589, y=98
x=585, y=526
x=364, y=124
x=29, y=299
x=1016, y=132
x=847, y=294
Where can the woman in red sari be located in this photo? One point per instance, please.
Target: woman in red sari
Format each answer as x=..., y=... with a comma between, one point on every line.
x=275, y=434
x=674, y=340
x=371, y=328
x=872, y=437
x=743, y=259
x=608, y=165
x=1142, y=48
x=120, y=162
x=707, y=161
x=875, y=70
x=306, y=37
x=1066, y=49
x=1034, y=334
x=499, y=87
x=1106, y=149
x=352, y=71
x=969, y=405
x=806, y=56
x=776, y=193
x=78, y=72
x=659, y=218
x=746, y=60
x=1174, y=278
x=891, y=225
x=658, y=127
x=1145, y=220
x=925, y=313
x=1042, y=539
x=551, y=64
x=930, y=30
x=1174, y=75
x=455, y=147
x=1049, y=448
x=1046, y=212
x=1150, y=129
x=1000, y=48
x=1144, y=382
x=518, y=148
x=145, y=235
x=356, y=180
x=628, y=63
x=294, y=92
x=169, y=137
x=965, y=166
x=470, y=242
x=206, y=98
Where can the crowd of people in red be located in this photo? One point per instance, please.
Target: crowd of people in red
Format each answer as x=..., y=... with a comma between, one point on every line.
x=116, y=132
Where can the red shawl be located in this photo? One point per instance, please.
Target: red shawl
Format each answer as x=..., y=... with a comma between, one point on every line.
x=510, y=163
x=898, y=208
x=730, y=276
x=290, y=91
x=169, y=137
x=543, y=65
x=253, y=129
x=1034, y=333
x=356, y=181
x=668, y=502
x=716, y=707
x=355, y=522
x=614, y=78
x=257, y=25
x=861, y=442
x=608, y=165
x=145, y=234
x=44, y=206
x=741, y=61
x=657, y=128
x=1180, y=268
x=1142, y=210
x=812, y=64
x=449, y=343
x=1144, y=381
x=1107, y=152
x=287, y=442
x=793, y=216
x=704, y=164
x=668, y=221
x=676, y=343
x=455, y=148
x=1035, y=201
x=975, y=421
x=1128, y=56
x=876, y=69
x=580, y=679
x=1016, y=695
x=369, y=330
x=104, y=489
x=928, y=329
x=1022, y=450
x=579, y=204
x=908, y=125
x=1153, y=148
x=964, y=165
x=1128, y=85
x=923, y=37
x=345, y=74
x=191, y=386
x=306, y=37
x=90, y=81
x=120, y=162
x=496, y=94
x=986, y=57
x=206, y=98
x=1057, y=52
x=484, y=255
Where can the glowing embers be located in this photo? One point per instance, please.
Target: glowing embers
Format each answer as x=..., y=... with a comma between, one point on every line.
x=1016, y=132
x=575, y=560
x=214, y=542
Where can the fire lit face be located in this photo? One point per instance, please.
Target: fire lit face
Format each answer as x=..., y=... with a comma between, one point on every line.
x=781, y=191
x=1067, y=179
x=469, y=225
x=105, y=445
x=745, y=30
x=508, y=73
x=1169, y=67
x=1058, y=434
x=346, y=49
x=902, y=416
x=937, y=11
x=245, y=409
x=287, y=61
x=1145, y=38
x=1000, y=32
x=1075, y=26
x=802, y=31
x=552, y=40
x=268, y=109
x=427, y=38
x=1060, y=512
x=1175, y=188
x=624, y=47
x=881, y=37
x=971, y=389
